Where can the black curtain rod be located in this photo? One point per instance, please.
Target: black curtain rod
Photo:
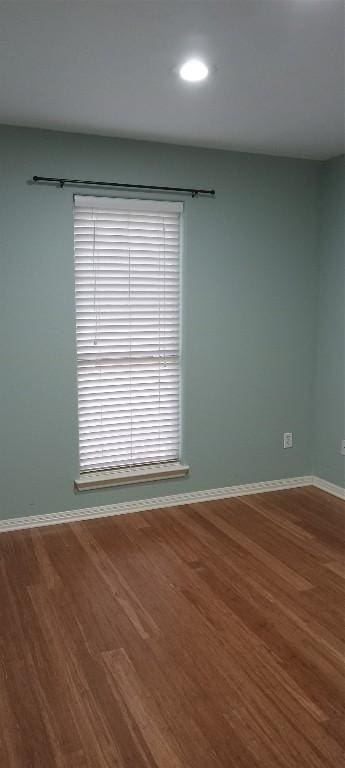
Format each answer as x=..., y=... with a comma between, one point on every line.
x=144, y=187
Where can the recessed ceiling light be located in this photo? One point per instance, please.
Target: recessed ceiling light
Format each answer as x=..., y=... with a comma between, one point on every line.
x=193, y=70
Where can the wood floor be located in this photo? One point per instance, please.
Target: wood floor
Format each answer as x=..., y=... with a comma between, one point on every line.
x=204, y=636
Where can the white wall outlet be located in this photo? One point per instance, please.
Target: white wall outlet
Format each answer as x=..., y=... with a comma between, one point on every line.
x=342, y=447
x=287, y=440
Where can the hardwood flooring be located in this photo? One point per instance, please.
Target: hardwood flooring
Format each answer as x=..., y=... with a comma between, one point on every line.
x=202, y=636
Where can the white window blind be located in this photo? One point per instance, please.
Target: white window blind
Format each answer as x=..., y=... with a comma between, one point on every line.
x=127, y=275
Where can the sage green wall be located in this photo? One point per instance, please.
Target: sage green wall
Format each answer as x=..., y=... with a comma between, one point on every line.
x=330, y=376
x=249, y=282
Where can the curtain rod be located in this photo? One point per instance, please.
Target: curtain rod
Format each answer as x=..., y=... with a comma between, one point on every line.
x=147, y=188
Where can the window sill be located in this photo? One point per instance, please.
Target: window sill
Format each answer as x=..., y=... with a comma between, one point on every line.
x=89, y=481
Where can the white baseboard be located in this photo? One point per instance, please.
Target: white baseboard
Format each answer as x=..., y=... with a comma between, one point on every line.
x=325, y=485
x=123, y=508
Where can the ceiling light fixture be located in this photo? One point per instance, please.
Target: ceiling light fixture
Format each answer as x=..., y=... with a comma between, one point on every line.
x=193, y=71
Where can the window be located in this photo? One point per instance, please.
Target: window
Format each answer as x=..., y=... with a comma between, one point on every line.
x=127, y=282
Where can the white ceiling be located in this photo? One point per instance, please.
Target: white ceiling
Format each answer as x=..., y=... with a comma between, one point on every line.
x=277, y=82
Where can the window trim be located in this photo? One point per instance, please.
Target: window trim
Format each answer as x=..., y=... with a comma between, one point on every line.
x=88, y=481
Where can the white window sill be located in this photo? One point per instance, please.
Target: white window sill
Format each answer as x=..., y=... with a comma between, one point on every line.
x=89, y=481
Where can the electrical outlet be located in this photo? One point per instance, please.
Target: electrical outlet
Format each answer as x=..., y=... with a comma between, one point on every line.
x=287, y=440
x=342, y=447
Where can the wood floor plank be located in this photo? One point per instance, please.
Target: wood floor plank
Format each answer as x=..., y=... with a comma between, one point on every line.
x=269, y=561
x=203, y=636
